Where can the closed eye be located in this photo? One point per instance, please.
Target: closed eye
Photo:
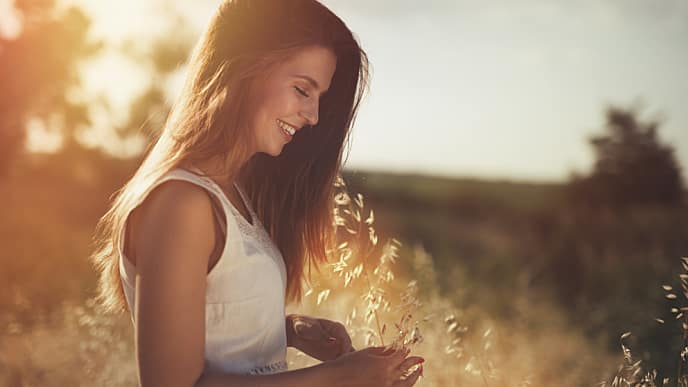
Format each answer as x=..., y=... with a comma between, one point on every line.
x=301, y=91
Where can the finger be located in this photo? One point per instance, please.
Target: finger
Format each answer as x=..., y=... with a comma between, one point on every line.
x=308, y=329
x=336, y=330
x=318, y=331
x=340, y=346
x=325, y=330
x=410, y=380
x=380, y=351
x=345, y=350
x=408, y=363
x=341, y=334
x=397, y=356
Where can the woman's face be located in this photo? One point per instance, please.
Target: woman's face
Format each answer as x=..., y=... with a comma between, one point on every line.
x=288, y=99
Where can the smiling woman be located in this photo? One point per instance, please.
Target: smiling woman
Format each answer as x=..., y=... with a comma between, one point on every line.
x=290, y=101
x=212, y=234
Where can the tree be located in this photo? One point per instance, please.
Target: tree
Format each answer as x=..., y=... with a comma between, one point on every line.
x=632, y=166
x=161, y=56
x=38, y=70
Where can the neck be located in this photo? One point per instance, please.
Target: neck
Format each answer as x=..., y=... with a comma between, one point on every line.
x=219, y=170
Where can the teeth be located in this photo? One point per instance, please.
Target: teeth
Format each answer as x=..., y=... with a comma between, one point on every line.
x=287, y=128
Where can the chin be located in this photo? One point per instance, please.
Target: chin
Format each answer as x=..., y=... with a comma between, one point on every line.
x=273, y=152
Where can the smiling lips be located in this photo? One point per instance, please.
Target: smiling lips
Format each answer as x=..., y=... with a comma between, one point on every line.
x=286, y=128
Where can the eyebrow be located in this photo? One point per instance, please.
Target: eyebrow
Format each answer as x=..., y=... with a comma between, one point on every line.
x=310, y=80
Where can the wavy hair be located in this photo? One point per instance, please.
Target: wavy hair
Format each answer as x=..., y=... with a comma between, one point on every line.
x=293, y=194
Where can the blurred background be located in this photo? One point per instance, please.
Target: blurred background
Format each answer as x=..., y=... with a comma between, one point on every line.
x=529, y=156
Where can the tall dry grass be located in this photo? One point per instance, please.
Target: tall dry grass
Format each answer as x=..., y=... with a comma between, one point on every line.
x=378, y=300
x=633, y=372
x=374, y=285
x=77, y=346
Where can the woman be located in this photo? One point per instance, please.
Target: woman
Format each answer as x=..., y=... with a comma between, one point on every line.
x=213, y=233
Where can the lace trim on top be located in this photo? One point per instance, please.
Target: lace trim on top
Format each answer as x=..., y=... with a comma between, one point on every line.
x=255, y=230
x=279, y=366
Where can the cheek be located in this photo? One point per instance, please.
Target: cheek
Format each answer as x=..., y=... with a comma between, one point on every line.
x=274, y=103
x=281, y=103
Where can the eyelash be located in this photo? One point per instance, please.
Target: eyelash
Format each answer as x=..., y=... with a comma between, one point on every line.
x=303, y=93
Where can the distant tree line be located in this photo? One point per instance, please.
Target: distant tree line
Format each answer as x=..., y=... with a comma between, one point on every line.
x=39, y=71
x=632, y=167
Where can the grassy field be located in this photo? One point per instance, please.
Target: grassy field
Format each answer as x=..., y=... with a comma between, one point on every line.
x=539, y=293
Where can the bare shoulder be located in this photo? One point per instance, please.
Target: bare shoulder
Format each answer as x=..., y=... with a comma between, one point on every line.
x=173, y=236
x=175, y=219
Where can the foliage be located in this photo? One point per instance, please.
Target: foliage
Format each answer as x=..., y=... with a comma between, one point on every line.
x=501, y=268
x=520, y=274
x=161, y=57
x=39, y=74
x=634, y=373
x=632, y=166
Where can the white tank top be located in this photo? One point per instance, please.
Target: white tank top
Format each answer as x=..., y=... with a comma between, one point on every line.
x=244, y=304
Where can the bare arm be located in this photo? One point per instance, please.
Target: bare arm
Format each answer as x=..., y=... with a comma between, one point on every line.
x=370, y=367
x=318, y=375
x=173, y=241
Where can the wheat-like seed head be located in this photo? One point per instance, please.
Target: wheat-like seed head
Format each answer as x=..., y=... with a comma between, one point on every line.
x=359, y=255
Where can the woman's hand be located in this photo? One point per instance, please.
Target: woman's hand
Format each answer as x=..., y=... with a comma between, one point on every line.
x=376, y=367
x=319, y=338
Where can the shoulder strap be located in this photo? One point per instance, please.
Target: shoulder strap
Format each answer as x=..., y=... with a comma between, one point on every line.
x=219, y=207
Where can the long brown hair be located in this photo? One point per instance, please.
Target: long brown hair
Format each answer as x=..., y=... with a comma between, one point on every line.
x=293, y=194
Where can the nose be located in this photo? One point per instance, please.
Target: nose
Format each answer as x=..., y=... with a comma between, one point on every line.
x=310, y=112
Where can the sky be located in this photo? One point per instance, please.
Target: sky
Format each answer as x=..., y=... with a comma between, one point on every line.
x=501, y=89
